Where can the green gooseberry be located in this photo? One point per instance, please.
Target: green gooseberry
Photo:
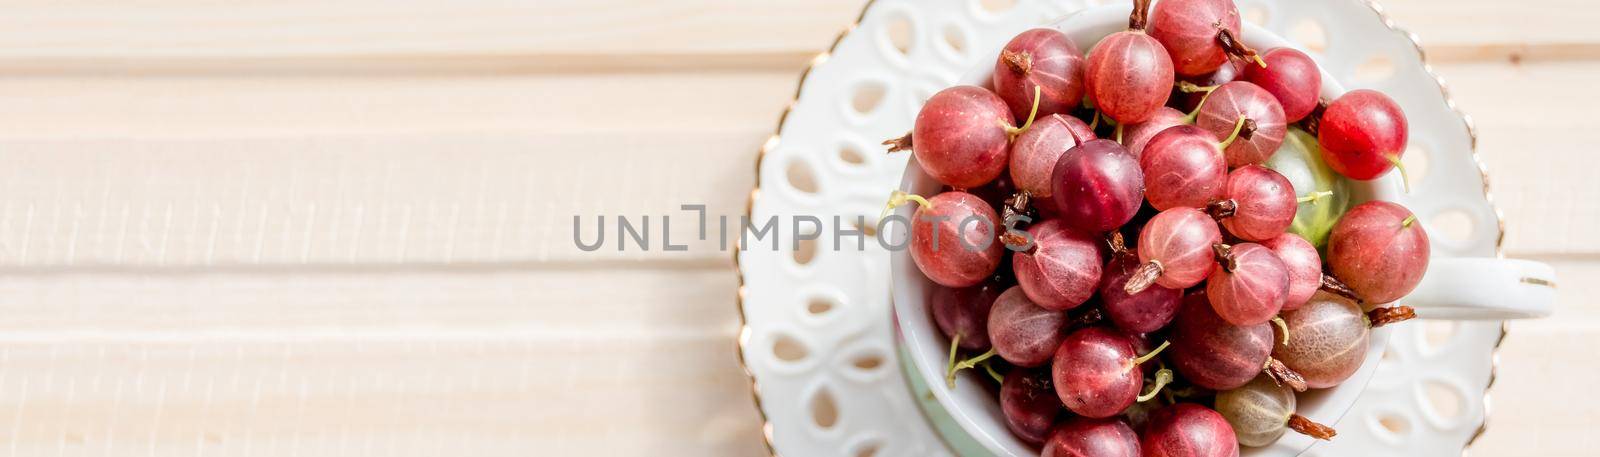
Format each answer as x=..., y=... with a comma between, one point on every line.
x=1324, y=195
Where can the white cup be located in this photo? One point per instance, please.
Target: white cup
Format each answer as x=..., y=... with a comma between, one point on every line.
x=1452, y=288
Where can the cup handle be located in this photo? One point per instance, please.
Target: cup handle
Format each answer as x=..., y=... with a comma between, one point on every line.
x=1484, y=288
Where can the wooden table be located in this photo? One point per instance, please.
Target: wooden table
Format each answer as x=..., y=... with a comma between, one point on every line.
x=342, y=227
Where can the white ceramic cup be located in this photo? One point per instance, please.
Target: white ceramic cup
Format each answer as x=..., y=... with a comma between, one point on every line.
x=1452, y=288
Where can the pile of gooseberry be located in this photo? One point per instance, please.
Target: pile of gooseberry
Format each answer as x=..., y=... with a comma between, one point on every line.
x=1145, y=247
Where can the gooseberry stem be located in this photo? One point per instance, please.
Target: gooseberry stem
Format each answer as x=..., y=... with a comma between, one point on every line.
x=1140, y=15
x=1094, y=123
x=1222, y=209
x=1388, y=315
x=1144, y=277
x=1314, y=197
x=1306, y=427
x=1119, y=134
x=1117, y=243
x=1192, y=115
x=950, y=377
x=989, y=367
x=898, y=198
x=1410, y=219
x=1282, y=375
x=1152, y=354
x=902, y=143
x=1224, y=254
x=1014, y=131
x=1404, y=178
x=1237, y=48
x=1015, y=209
x=1283, y=327
x=1237, y=127
x=950, y=365
x=1337, y=287
x=1189, y=87
x=1163, y=377
x=1019, y=62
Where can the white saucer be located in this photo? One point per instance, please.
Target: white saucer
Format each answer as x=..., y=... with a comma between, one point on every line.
x=818, y=340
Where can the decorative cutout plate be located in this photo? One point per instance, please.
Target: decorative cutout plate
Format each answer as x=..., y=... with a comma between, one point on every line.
x=819, y=342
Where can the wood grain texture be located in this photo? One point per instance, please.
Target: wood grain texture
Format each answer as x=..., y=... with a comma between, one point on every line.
x=253, y=171
x=446, y=362
x=475, y=36
x=415, y=396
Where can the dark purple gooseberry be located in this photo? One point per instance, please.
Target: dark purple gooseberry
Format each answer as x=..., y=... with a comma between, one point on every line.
x=1022, y=332
x=1212, y=353
x=1036, y=151
x=1029, y=403
x=964, y=312
x=1062, y=269
x=1138, y=415
x=1188, y=430
x=1265, y=125
x=1041, y=59
x=1084, y=437
x=995, y=192
x=1147, y=311
x=1098, y=186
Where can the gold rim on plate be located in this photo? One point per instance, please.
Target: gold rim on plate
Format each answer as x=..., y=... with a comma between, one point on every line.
x=1422, y=55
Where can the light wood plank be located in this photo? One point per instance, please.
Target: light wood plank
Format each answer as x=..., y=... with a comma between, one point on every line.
x=406, y=397
x=486, y=168
x=1459, y=30
x=1533, y=121
x=363, y=200
x=410, y=362
x=199, y=107
x=1537, y=403
x=548, y=35
x=566, y=301
x=189, y=36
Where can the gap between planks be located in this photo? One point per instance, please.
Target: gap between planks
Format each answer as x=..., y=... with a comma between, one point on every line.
x=367, y=37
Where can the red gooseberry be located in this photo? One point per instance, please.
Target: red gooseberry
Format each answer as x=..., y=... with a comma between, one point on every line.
x=1199, y=34
x=953, y=238
x=1097, y=373
x=1250, y=286
x=1379, y=250
x=1292, y=77
x=1363, y=134
x=1062, y=268
x=1265, y=125
x=1040, y=59
x=1188, y=430
x=1082, y=437
x=1130, y=74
